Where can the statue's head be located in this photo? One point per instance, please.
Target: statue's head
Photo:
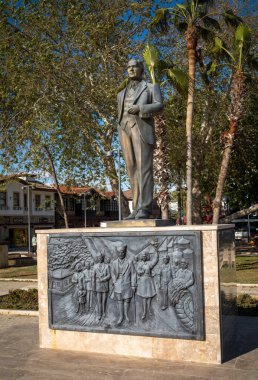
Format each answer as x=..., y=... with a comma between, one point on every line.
x=135, y=69
x=121, y=250
x=107, y=260
x=78, y=267
x=166, y=259
x=145, y=256
x=183, y=264
x=101, y=256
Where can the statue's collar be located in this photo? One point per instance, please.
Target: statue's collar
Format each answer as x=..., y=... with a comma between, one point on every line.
x=134, y=83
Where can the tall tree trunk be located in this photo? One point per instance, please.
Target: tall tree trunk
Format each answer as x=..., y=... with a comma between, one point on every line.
x=240, y=213
x=235, y=112
x=161, y=172
x=180, y=206
x=196, y=203
x=53, y=172
x=112, y=174
x=191, y=47
x=221, y=181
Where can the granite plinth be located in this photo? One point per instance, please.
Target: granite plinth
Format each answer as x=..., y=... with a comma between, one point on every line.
x=137, y=223
x=208, y=350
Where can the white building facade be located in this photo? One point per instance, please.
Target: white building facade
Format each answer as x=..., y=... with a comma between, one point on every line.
x=23, y=202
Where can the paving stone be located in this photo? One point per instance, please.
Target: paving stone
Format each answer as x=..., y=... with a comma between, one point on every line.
x=22, y=359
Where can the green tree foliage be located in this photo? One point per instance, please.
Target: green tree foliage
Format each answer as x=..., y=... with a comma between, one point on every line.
x=62, y=62
x=241, y=61
x=193, y=20
x=242, y=181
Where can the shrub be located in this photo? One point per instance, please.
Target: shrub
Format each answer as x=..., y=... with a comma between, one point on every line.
x=20, y=300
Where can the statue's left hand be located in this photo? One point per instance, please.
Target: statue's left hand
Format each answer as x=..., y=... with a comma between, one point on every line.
x=134, y=110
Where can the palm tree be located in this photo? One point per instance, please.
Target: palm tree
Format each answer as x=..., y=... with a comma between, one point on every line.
x=193, y=19
x=240, y=59
x=161, y=171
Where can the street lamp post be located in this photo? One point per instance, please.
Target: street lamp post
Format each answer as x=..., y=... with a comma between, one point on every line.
x=85, y=210
x=119, y=188
x=110, y=153
x=248, y=226
x=28, y=187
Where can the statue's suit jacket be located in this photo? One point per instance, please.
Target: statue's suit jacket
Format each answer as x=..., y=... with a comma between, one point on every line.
x=148, y=97
x=128, y=278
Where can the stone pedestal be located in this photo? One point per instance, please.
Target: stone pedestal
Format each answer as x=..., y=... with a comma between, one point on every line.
x=197, y=336
x=137, y=223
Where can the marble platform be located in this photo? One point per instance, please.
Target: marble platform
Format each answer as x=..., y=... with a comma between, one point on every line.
x=137, y=223
x=216, y=330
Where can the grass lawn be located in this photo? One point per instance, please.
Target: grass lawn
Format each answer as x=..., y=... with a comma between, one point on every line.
x=246, y=271
x=19, y=272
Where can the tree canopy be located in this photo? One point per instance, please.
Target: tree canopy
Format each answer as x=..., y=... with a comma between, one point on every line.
x=62, y=62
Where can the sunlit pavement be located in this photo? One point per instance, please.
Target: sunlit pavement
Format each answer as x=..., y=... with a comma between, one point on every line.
x=21, y=358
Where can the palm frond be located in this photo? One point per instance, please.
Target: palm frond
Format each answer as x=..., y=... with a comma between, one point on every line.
x=212, y=68
x=206, y=2
x=151, y=58
x=243, y=36
x=252, y=61
x=218, y=46
x=182, y=6
x=160, y=21
x=206, y=34
x=242, y=42
x=163, y=66
x=219, y=49
x=182, y=10
x=231, y=18
x=180, y=24
x=210, y=22
x=178, y=78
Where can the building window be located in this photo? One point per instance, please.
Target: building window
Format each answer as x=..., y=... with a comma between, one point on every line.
x=108, y=205
x=66, y=203
x=47, y=202
x=3, y=203
x=16, y=201
x=71, y=204
x=25, y=200
x=37, y=201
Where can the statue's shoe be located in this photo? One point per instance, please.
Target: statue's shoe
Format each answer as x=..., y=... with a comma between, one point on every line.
x=120, y=321
x=142, y=214
x=131, y=216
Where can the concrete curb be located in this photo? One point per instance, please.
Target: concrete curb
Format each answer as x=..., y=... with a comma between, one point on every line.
x=30, y=313
x=19, y=279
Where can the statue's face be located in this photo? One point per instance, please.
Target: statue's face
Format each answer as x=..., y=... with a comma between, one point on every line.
x=144, y=257
x=166, y=260
x=121, y=253
x=101, y=258
x=134, y=70
x=183, y=264
x=79, y=267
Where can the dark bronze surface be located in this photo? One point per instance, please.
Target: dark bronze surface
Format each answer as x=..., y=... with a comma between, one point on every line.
x=138, y=283
x=138, y=103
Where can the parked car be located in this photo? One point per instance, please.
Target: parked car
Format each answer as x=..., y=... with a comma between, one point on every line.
x=242, y=233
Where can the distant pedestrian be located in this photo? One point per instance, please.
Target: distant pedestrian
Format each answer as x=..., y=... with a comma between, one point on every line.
x=34, y=244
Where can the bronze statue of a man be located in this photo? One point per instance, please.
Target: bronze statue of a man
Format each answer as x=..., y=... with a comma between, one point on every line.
x=137, y=104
